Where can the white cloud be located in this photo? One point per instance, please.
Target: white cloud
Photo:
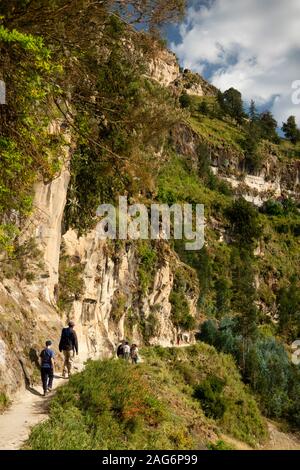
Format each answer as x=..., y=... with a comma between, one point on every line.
x=252, y=45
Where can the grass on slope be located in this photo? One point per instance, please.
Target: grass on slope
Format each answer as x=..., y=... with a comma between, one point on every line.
x=217, y=132
x=177, y=183
x=221, y=133
x=154, y=405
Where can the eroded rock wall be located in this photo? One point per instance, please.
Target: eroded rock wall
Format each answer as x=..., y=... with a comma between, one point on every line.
x=112, y=305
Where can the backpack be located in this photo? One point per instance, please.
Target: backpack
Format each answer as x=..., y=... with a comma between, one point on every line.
x=46, y=356
x=134, y=352
x=67, y=339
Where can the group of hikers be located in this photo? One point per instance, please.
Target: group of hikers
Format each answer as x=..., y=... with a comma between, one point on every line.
x=127, y=352
x=68, y=346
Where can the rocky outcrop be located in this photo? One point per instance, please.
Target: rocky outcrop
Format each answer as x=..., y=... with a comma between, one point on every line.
x=28, y=311
x=164, y=68
x=45, y=224
x=273, y=180
x=112, y=305
x=26, y=322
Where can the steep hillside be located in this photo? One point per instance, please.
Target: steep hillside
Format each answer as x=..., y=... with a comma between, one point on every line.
x=91, y=117
x=178, y=399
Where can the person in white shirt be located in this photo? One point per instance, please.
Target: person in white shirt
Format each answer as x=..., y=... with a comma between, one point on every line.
x=126, y=350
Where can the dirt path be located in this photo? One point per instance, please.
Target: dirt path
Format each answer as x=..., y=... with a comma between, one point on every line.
x=278, y=440
x=281, y=440
x=29, y=408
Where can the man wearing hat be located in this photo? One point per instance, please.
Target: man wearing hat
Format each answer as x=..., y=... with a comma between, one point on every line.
x=47, y=367
x=68, y=345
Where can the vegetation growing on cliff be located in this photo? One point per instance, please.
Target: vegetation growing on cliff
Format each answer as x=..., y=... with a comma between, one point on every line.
x=70, y=282
x=91, y=93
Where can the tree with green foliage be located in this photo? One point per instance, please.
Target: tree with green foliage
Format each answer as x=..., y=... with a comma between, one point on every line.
x=244, y=222
x=244, y=296
x=250, y=146
x=288, y=302
x=180, y=312
x=268, y=127
x=232, y=104
x=253, y=137
x=201, y=262
x=267, y=367
x=223, y=296
x=104, y=99
x=185, y=100
x=203, y=108
x=220, y=100
x=253, y=115
x=291, y=130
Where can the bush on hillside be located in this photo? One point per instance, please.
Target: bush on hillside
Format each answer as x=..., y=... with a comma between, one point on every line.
x=268, y=368
x=209, y=393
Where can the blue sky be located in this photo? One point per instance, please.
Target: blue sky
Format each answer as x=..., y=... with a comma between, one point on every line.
x=252, y=45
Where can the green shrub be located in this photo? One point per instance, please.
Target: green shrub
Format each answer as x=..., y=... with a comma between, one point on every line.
x=118, y=307
x=70, y=281
x=185, y=100
x=149, y=326
x=147, y=264
x=244, y=221
x=209, y=393
x=4, y=401
x=272, y=207
x=220, y=445
x=181, y=316
x=23, y=261
x=108, y=406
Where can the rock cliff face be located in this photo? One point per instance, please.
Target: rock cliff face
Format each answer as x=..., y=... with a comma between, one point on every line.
x=26, y=322
x=111, y=304
x=166, y=70
x=272, y=181
x=109, y=307
x=28, y=311
x=45, y=224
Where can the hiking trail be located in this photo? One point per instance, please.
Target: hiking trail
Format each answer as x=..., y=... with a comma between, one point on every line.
x=28, y=408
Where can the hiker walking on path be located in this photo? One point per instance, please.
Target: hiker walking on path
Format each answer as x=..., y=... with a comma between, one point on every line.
x=68, y=345
x=134, y=354
x=47, y=367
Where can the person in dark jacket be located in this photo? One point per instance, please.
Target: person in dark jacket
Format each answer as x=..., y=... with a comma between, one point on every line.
x=47, y=367
x=68, y=345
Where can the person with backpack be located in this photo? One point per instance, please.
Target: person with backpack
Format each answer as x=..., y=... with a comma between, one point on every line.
x=47, y=367
x=134, y=354
x=68, y=345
